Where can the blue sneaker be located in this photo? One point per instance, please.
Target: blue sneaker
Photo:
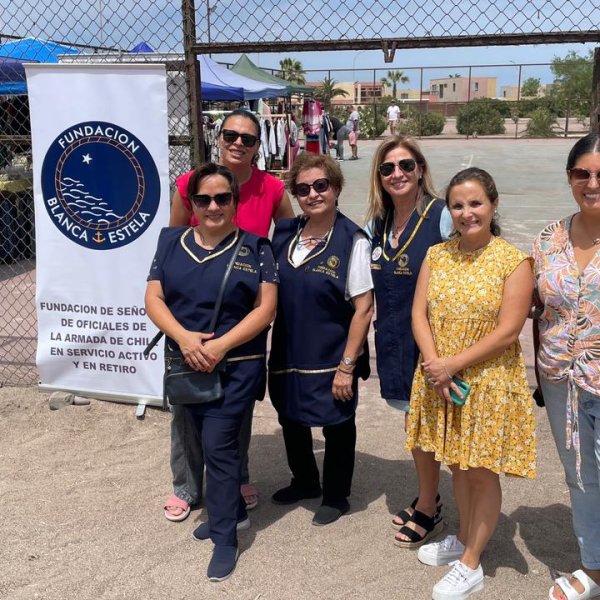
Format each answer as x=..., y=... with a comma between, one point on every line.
x=222, y=564
x=202, y=532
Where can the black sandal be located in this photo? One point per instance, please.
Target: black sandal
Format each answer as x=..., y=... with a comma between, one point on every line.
x=406, y=516
x=432, y=526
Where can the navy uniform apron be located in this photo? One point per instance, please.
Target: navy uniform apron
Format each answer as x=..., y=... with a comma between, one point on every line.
x=311, y=327
x=395, y=272
x=191, y=279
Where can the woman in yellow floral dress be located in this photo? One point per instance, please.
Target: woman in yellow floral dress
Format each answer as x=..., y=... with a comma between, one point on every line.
x=473, y=295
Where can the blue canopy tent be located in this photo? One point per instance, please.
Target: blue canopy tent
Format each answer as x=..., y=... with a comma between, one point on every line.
x=217, y=79
x=14, y=54
x=12, y=76
x=142, y=47
x=32, y=49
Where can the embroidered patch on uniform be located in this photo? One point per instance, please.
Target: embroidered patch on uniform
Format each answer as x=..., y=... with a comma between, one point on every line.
x=376, y=254
x=333, y=262
x=244, y=251
x=403, y=260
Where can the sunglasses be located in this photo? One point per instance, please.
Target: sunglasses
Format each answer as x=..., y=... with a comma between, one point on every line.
x=581, y=176
x=204, y=200
x=230, y=136
x=319, y=185
x=408, y=165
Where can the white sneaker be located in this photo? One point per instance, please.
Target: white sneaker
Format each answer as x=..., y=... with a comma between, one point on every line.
x=441, y=553
x=459, y=583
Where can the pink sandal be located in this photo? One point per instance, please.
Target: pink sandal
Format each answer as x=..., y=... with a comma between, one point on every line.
x=174, y=504
x=250, y=495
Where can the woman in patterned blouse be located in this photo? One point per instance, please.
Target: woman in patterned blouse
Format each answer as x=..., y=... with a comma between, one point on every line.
x=567, y=276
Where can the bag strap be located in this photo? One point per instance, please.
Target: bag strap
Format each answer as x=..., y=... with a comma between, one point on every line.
x=218, y=301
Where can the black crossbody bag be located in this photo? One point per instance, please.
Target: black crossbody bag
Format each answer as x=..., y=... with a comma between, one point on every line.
x=181, y=383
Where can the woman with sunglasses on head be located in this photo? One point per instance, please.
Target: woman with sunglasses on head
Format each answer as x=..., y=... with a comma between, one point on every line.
x=183, y=285
x=318, y=345
x=404, y=219
x=263, y=200
x=470, y=404
x=567, y=303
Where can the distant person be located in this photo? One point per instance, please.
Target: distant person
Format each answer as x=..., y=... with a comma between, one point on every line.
x=353, y=128
x=338, y=135
x=567, y=299
x=473, y=295
x=393, y=113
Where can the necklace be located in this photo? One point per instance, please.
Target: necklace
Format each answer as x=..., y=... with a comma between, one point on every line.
x=312, y=240
x=398, y=229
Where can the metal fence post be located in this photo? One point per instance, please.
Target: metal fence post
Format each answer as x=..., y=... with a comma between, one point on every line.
x=595, y=112
x=192, y=72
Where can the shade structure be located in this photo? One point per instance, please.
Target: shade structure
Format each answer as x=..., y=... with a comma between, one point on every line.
x=142, y=47
x=244, y=66
x=33, y=49
x=218, y=76
x=14, y=54
x=12, y=76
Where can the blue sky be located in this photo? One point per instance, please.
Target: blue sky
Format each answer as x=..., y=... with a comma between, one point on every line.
x=124, y=23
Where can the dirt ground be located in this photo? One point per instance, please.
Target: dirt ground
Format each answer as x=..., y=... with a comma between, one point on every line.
x=82, y=488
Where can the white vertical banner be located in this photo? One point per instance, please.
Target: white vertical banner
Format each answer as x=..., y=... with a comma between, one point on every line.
x=101, y=188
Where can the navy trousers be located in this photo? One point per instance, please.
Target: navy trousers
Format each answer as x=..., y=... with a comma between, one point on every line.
x=220, y=446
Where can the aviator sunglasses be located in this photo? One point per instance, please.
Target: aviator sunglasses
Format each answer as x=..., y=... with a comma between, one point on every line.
x=580, y=176
x=204, y=200
x=407, y=165
x=319, y=185
x=230, y=136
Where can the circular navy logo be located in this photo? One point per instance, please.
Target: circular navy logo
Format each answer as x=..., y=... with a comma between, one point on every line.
x=100, y=185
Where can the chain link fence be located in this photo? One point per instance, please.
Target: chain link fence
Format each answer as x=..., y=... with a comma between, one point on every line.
x=122, y=30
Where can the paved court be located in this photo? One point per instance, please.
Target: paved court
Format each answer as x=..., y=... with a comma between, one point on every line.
x=82, y=517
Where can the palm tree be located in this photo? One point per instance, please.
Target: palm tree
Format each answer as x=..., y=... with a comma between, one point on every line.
x=392, y=78
x=327, y=91
x=292, y=70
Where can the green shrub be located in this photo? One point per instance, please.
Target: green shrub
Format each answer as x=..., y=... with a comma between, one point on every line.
x=422, y=124
x=372, y=124
x=481, y=117
x=541, y=123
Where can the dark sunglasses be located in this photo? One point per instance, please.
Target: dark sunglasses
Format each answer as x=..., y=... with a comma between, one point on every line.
x=319, y=185
x=204, y=200
x=230, y=136
x=408, y=165
x=579, y=175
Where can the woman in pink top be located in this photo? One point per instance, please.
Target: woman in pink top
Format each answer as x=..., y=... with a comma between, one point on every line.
x=263, y=200
x=567, y=295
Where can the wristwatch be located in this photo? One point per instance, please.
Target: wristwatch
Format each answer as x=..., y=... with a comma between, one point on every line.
x=347, y=361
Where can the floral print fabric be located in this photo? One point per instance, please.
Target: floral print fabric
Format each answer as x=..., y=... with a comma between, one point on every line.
x=569, y=324
x=495, y=429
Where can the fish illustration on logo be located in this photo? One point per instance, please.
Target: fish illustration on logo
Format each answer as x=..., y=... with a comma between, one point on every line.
x=100, y=185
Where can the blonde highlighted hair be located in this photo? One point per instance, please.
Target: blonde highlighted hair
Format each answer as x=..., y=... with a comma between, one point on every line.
x=379, y=201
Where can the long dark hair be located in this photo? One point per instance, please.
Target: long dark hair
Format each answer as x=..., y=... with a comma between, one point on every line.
x=207, y=170
x=587, y=144
x=487, y=183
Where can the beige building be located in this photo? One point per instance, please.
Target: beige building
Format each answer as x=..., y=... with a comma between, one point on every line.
x=456, y=89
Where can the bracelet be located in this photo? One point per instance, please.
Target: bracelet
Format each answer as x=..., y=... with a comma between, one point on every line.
x=446, y=369
x=344, y=372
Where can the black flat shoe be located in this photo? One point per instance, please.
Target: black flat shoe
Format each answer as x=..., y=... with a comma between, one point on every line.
x=294, y=493
x=329, y=514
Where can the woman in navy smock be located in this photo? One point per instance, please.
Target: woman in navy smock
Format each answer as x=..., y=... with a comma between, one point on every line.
x=317, y=352
x=184, y=280
x=404, y=219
